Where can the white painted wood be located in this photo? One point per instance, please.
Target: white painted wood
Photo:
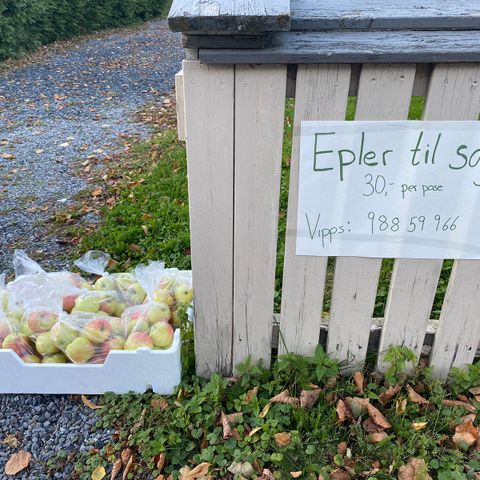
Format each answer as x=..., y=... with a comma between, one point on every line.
x=409, y=304
x=458, y=335
x=180, y=96
x=384, y=93
x=209, y=109
x=455, y=95
x=123, y=371
x=259, y=120
x=321, y=94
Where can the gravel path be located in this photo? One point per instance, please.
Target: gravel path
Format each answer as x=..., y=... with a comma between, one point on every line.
x=62, y=107
x=55, y=110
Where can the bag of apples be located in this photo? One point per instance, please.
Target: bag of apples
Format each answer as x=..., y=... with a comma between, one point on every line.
x=152, y=324
x=87, y=337
x=128, y=290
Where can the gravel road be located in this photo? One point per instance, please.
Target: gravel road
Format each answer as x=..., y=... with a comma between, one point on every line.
x=70, y=102
x=56, y=109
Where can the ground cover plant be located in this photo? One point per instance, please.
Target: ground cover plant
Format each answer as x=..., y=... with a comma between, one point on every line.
x=28, y=24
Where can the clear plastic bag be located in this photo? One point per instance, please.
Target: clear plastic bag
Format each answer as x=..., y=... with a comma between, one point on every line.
x=87, y=337
x=109, y=303
x=96, y=262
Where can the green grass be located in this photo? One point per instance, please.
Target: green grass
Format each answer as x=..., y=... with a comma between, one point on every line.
x=151, y=219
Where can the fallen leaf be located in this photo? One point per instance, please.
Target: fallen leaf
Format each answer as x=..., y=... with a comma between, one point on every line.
x=90, y=404
x=357, y=405
x=11, y=440
x=125, y=455
x=400, y=405
x=415, y=469
x=160, y=403
x=135, y=248
x=465, y=435
x=265, y=410
x=309, y=397
x=415, y=397
x=97, y=192
x=386, y=396
x=463, y=398
x=227, y=430
x=340, y=475
x=199, y=471
x=161, y=462
x=343, y=411
x=17, y=462
x=254, y=431
x=8, y=156
x=458, y=403
x=266, y=475
x=370, y=426
x=284, y=397
x=282, y=439
x=117, y=467
x=128, y=467
x=342, y=448
x=377, y=416
x=474, y=390
x=358, y=378
x=295, y=474
x=250, y=394
x=419, y=425
x=99, y=473
x=377, y=437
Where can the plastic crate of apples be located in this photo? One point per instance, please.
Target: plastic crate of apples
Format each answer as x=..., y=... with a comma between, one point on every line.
x=117, y=333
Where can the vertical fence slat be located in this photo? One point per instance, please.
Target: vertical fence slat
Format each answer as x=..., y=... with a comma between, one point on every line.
x=384, y=93
x=180, y=100
x=209, y=101
x=321, y=94
x=456, y=89
x=259, y=119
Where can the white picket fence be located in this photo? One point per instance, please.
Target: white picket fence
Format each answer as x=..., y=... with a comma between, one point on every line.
x=232, y=116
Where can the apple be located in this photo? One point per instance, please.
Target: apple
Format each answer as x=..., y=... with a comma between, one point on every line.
x=97, y=330
x=55, y=358
x=26, y=330
x=15, y=313
x=124, y=280
x=135, y=294
x=162, y=335
x=137, y=340
x=31, y=359
x=62, y=335
x=4, y=328
x=108, y=305
x=3, y=300
x=19, y=343
x=41, y=320
x=105, y=283
x=119, y=309
x=44, y=344
x=87, y=303
x=167, y=283
x=81, y=350
x=183, y=294
x=137, y=326
x=118, y=327
x=157, y=312
x=69, y=302
x=162, y=295
x=114, y=343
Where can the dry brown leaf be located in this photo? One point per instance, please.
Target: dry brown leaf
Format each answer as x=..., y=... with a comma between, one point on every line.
x=419, y=425
x=377, y=416
x=250, y=394
x=343, y=411
x=125, y=455
x=254, y=431
x=99, y=473
x=474, y=390
x=284, y=397
x=357, y=405
x=116, y=469
x=340, y=475
x=11, y=440
x=265, y=410
x=463, y=398
x=415, y=397
x=370, y=426
x=359, y=379
x=128, y=468
x=296, y=474
x=342, y=448
x=309, y=397
x=458, y=403
x=160, y=403
x=377, y=437
x=282, y=439
x=161, y=462
x=160, y=477
x=197, y=472
x=386, y=396
x=232, y=416
x=400, y=405
x=90, y=404
x=415, y=469
x=17, y=462
x=266, y=475
x=468, y=418
x=97, y=192
x=184, y=471
x=227, y=430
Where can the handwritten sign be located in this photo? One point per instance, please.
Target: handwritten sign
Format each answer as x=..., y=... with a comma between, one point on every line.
x=389, y=189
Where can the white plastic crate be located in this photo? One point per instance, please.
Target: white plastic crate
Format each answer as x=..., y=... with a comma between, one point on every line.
x=123, y=371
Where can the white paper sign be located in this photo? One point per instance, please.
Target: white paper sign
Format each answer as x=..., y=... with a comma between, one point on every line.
x=400, y=189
